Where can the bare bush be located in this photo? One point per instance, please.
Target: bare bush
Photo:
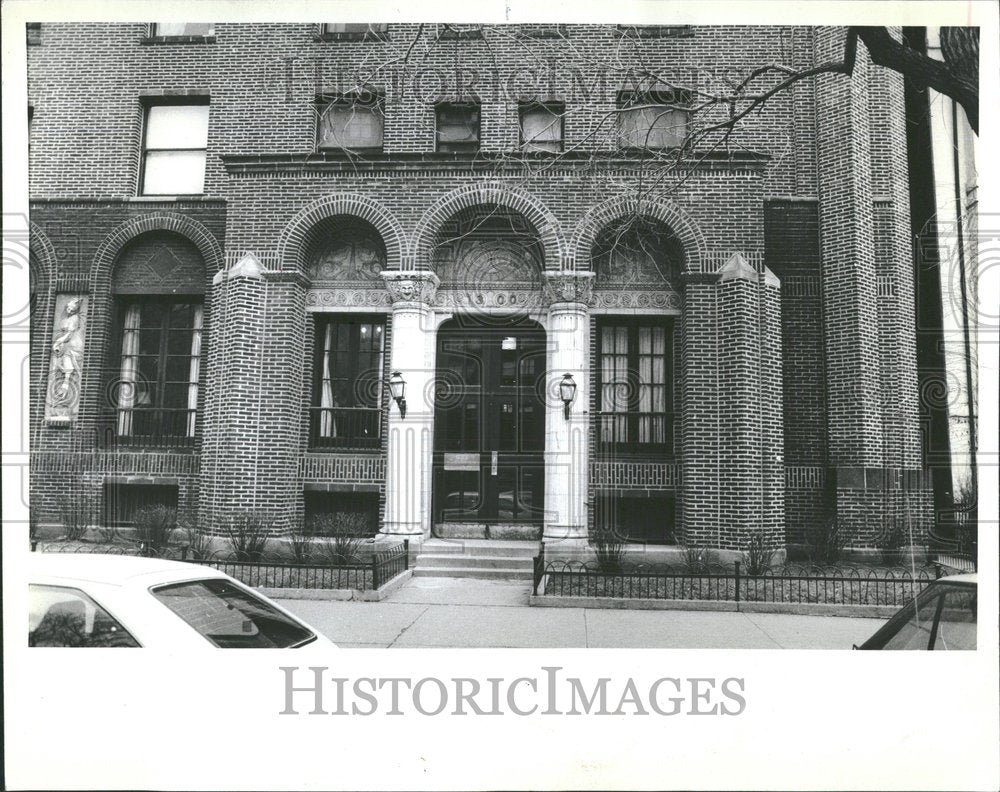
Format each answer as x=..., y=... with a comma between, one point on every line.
x=155, y=526
x=609, y=546
x=757, y=555
x=342, y=535
x=248, y=532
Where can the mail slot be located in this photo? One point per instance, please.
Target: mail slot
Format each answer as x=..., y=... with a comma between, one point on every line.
x=461, y=462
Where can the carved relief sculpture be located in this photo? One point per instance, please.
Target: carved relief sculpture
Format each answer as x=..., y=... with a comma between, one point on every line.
x=66, y=368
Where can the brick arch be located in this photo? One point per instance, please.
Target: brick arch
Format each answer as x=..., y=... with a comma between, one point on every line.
x=291, y=243
x=43, y=252
x=195, y=232
x=514, y=198
x=607, y=212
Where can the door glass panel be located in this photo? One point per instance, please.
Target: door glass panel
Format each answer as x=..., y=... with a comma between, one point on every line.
x=505, y=493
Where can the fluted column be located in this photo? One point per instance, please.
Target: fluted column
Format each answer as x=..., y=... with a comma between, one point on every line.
x=568, y=344
x=408, y=463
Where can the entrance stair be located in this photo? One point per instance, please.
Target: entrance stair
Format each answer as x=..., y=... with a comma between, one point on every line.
x=487, y=559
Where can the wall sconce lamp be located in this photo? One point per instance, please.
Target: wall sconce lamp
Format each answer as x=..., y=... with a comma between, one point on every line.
x=567, y=392
x=397, y=387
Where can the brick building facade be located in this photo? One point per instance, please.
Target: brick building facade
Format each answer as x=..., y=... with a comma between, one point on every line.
x=261, y=223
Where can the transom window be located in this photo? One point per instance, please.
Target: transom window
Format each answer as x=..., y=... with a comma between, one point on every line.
x=542, y=127
x=458, y=127
x=352, y=122
x=175, y=149
x=348, y=393
x=635, y=380
x=177, y=29
x=653, y=119
x=157, y=389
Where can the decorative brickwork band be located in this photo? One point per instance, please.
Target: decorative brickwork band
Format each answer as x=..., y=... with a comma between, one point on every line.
x=411, y=286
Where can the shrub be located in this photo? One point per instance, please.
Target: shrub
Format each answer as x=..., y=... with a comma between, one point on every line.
x=343, y=534
x=699, y=559
x=199, y=543
x=248, y=532
x=609, y=547
x=890, y=540
x=826, y=544
x=77, y=514
x=301, y=542
x=155, y=526
x=757, y=556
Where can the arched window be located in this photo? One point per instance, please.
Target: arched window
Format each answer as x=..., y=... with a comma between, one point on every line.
x=156, y=350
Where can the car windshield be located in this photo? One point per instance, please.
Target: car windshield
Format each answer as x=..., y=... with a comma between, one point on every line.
x=942, y=617
x=232, y=617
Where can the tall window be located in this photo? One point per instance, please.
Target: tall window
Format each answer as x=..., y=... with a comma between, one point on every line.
x=160, y=367
x=348, y=394
x=542, y=127
x=458, y=127
x=635, y=409
x=174, y=148
x=351, y=122
x=652, y=119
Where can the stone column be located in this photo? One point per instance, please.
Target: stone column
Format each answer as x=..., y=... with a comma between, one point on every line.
x=566, y=446
x=410, y=441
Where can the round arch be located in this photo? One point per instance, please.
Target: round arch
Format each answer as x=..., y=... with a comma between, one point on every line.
x=470, y=195
x=293, y=237
x=607, y=212
x=195, y=232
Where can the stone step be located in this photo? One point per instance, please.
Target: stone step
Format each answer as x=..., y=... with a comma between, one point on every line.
x=461, y=560
x=480, y=548
x=481, y=573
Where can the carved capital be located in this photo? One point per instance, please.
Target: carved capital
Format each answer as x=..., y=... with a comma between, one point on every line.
x=569, y=286
x=411, y=286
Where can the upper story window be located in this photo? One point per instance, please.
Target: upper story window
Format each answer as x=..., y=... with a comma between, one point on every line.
x=354, y=123
x=656, y=31
x=183, y=29
x=542, y=31
x=348, y=393
x=542, y=127
x=339, y=31
x=174, y=150
x=653, y=119
x=634, y=383
x=458, y=127
x=456, y=32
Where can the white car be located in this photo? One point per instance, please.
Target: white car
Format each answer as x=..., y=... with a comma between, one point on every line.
x=90, y=600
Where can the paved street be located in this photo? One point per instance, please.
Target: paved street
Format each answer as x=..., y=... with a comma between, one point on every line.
x=449, y=612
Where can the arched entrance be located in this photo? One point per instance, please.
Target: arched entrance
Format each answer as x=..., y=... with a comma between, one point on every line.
x=489, y=429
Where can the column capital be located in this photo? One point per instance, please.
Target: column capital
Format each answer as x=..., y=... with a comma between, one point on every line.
x=567, y=286
x=411, y=286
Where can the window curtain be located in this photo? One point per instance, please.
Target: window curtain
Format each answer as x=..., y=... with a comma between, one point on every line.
x=195, y=368
x=127, y=376
x=327, y=422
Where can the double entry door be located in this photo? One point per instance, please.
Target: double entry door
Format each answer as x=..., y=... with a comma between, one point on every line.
x=489, y=428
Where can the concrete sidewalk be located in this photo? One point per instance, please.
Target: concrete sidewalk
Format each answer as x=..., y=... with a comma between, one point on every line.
x=457, y=612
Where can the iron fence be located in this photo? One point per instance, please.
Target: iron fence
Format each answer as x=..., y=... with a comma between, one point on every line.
x=363, y=574
x=788, y=584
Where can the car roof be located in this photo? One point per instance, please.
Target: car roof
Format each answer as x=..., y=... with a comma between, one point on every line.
x=115, y=570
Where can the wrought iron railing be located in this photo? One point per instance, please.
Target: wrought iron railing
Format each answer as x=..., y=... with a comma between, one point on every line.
x=147, y=427
x=346, y=428
x=788, y=584
x=364, y=574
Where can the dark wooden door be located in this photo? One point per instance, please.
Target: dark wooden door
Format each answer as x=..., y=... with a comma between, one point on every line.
x=489, y=425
